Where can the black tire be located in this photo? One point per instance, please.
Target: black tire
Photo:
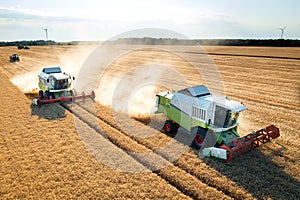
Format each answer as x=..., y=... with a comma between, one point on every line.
x=41, y=94
x=52, y=95
x=168, y=127
x=47, y=94
x=199, y=138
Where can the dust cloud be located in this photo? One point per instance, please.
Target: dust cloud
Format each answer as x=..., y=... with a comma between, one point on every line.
x=131, y=92
x=134, y=92
x=69, y=59
x=27, y=82
x=72, y=60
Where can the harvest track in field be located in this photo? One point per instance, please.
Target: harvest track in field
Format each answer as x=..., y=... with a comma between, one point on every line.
x=177, y=175
x=193, y=165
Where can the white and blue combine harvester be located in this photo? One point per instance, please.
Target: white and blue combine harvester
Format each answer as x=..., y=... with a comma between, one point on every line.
x=209, y=122
x=56, y=86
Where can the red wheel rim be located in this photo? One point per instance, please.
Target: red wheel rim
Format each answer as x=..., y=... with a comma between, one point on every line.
x=198, y=139
x=167, y=127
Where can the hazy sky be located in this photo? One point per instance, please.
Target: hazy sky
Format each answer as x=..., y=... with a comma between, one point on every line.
x=69, y=20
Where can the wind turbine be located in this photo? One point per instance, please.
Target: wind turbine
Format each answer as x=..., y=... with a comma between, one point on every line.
x=282, y=31
x=46, y=31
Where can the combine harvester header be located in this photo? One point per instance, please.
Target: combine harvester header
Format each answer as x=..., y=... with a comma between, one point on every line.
x=55, y=86
x=209, y=122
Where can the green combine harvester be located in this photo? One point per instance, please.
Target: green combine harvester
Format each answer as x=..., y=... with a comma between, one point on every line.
x=209, y=122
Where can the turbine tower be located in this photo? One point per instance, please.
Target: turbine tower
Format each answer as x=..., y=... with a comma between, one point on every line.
x=46, y=31
x=282, y=31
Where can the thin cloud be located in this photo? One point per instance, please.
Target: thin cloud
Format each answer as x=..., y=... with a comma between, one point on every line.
x=26, y=12
x=96, y=20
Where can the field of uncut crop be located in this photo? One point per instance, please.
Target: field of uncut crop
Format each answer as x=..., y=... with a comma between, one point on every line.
x=43, y=156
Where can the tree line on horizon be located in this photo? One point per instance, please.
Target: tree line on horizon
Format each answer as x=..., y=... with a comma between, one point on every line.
x=28, y=43
x=168, y=41
x=209, y=42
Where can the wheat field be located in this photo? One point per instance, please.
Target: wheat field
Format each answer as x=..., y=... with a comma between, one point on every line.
x=42, y=154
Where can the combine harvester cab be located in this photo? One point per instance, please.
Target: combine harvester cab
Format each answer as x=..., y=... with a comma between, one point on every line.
x=55, y=86
x=209, y=122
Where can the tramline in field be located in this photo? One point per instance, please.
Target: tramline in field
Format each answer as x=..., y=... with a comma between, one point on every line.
x=209, y=122
x=55, y=86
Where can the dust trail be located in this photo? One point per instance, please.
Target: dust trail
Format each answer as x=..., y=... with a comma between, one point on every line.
x=69, y=60
x=142, y=100
x=131, y=92
x=26, y=82
x=72, y=60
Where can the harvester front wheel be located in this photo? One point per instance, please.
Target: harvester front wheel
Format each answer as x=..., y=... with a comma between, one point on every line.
x=199, y=138
x=47, y=94
x=168, y=127
x=41, y=94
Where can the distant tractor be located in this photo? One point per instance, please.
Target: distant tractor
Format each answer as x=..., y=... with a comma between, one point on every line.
x=55, y=86
x=14, y=58
x=23, y=47
x=199, y=114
